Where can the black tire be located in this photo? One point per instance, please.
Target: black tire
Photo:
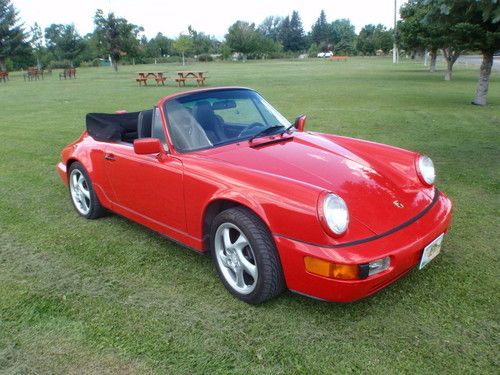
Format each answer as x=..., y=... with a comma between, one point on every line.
x=95, y=208
x=270, y=281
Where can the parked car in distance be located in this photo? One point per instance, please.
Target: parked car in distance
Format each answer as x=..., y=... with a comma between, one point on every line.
x=223, y=172
x=325, y=54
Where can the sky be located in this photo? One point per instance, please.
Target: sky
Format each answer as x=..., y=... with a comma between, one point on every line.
x=209, y=16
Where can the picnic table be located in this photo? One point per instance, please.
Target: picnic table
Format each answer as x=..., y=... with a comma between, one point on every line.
x=33, y=74
x=4, y=75
x=142, y=78
x=184, y=75
x=68, y=73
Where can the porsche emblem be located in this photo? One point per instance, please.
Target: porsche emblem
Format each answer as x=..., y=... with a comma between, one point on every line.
x=398, y=204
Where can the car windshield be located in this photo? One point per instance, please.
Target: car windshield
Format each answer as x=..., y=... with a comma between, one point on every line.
x=213, y=118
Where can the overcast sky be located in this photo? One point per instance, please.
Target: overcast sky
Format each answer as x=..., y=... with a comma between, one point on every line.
x=210, y=16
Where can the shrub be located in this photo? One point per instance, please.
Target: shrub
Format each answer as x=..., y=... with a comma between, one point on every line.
x=205, y=57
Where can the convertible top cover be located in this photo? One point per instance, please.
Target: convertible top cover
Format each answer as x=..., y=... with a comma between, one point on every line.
x=112, y=127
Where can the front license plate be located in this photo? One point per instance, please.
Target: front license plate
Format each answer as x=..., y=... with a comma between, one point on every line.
x=431, y=251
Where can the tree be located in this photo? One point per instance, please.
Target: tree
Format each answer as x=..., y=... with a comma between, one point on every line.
x=64, y=42
x=203, y=43
x=473, y=25
x=456, y=30
x=296, y=40
x=12, y=35
x=319, y=31
x=487, y=40
x=372, y=38
x=291, y=33
x=183, y=44
x=115, y=36
x=417, y=34
x=37, y=43
x=343, y=36
x=158, y=46
x=270, y=27
x=285, y=35
x=242, y=37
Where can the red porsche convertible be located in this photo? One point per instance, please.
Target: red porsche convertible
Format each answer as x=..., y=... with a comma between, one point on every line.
x=221, y=171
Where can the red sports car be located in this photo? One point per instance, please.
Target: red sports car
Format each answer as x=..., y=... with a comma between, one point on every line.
x=223, y=172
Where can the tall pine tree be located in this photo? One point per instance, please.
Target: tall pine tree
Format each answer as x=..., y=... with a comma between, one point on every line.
x=319, y=31
x=12, y=35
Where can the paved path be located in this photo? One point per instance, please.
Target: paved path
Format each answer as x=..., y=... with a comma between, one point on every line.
x=476, y=60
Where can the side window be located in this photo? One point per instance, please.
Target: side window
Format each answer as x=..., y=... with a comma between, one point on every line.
x=157, y=131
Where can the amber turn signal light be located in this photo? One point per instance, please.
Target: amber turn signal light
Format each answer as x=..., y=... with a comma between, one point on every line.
x=332, y=270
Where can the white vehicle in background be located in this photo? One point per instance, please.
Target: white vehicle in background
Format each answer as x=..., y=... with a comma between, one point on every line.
x=325, y=54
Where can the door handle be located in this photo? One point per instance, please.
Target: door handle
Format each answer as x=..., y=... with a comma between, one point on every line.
x=110, y=157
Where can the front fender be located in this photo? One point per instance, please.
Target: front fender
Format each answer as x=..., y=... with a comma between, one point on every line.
x=241, y=198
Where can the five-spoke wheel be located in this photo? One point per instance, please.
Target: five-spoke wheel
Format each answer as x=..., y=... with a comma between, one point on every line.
x=245, y=256
x=236, y=258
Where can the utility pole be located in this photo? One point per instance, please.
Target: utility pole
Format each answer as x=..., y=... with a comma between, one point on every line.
x=395, y=55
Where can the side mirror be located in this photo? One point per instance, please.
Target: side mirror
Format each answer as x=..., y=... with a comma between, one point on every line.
x=146, y=146
x=300, y=123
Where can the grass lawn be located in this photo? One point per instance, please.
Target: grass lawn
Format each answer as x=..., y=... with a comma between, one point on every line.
x=109, y=296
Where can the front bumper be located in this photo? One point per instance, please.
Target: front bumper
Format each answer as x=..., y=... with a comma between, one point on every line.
x=403, y=246
x=61, y=170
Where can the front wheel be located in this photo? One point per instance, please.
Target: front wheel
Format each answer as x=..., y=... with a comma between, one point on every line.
x=245, y=256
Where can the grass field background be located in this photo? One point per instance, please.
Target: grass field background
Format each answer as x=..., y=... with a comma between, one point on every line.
x=109, y=296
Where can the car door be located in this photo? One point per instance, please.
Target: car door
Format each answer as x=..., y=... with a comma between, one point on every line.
x=146, y=185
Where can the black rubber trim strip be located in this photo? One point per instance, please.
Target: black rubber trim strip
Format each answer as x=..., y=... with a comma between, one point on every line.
x=376, y=237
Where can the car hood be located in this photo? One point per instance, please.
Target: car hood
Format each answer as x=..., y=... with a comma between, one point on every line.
x=379, y=196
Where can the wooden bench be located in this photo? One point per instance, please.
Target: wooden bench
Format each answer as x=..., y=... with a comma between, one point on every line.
x=339, y=58
x=197, y=76
x=33, y=74
x=142, y=78
x=181, y=80
x=201, y=81
x=68, y=73
x=160, y=79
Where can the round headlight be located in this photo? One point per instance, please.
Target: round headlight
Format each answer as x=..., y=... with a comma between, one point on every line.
x=335, y=213
x=425, y=168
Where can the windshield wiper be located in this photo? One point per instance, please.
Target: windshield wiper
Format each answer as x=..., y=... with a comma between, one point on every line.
x=288, y=128
x=265, y=131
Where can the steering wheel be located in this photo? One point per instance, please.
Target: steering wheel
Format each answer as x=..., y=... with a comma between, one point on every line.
x=245, y=131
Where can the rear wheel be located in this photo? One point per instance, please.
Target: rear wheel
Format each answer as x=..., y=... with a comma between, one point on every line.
x=82, y=193
x=245, y=256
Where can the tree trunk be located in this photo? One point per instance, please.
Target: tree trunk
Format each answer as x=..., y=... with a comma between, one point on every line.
x=432, y=67
x=449, y=70
x=451, y=56
x=3, y=68
x=484, y=79
x=183, y=62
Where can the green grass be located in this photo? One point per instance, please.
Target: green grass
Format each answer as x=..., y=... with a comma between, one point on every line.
x=110, y=296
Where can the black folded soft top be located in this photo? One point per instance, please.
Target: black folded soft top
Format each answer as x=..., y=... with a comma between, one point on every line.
x=112, y=127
